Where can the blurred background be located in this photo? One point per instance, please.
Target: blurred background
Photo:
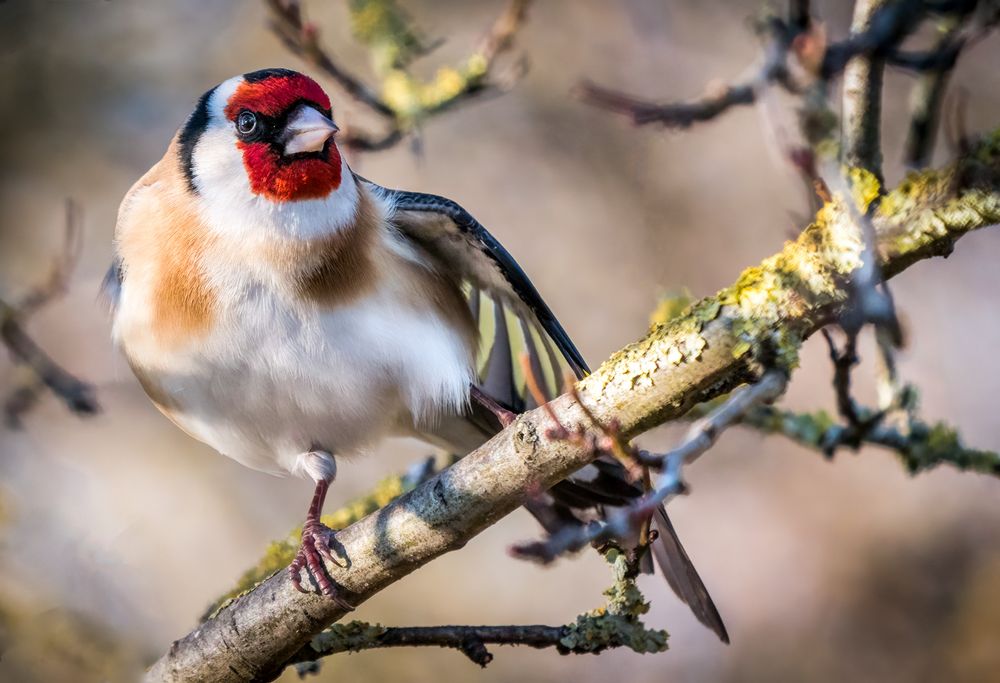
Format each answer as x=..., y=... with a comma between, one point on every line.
x=119, y=530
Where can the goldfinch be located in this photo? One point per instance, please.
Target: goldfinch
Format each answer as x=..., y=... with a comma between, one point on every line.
x=287, y=312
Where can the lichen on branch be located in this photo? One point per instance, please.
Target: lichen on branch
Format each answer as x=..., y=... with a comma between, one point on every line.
x=616, y=624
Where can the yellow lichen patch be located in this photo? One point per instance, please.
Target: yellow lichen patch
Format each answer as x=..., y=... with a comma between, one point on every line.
x=411, y=98
x=619, y=622
x=669, y=307
x=865, y=187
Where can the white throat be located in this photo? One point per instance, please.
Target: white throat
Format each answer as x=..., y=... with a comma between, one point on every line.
x=231, y=209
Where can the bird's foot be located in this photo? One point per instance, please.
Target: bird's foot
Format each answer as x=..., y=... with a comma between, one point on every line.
x=505, y=416
x=315, y=547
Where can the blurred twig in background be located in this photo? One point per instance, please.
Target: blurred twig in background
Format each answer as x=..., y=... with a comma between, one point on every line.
x=796, y=53
x=402, y=101
x=37, y=370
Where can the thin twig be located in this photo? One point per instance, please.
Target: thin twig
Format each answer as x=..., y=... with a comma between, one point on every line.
x=935, y=67
x=671, y=114
x=921, y=446
x=79, y=396
x=889, y=25
x=621, y=522
x=862, y=103
x=57, y=283
x=302, y=39
x=500, y=37
x=469, y=640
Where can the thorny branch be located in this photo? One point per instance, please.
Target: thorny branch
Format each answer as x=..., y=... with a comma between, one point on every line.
x=40, y=370
x=403, y=101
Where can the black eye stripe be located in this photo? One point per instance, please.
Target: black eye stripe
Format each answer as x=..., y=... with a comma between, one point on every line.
x=268, y=128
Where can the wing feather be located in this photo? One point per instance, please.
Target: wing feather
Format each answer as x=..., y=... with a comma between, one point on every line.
x=521, y=321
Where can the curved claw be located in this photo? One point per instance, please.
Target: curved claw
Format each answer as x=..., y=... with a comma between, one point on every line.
x=314, y=548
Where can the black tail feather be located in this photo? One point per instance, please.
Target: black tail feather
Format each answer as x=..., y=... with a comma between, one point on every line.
x=683, y=577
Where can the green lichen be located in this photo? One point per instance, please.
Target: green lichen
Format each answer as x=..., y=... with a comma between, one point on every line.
x=865, y=187
x=770, y=303
x=354, y=636
x=618, y=623
x=669, y=307
x=387, y=31
x=393, y=43
x=920, y=446
x=280, y=553
x=932, y=445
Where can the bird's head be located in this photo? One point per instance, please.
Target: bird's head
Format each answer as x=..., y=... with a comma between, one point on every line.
x=265, y=140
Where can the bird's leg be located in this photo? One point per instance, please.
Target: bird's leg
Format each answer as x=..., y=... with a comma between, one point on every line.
x=505, y=416
x=316, y=536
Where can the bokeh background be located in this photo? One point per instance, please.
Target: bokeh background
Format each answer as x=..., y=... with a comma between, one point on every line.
x=118, y=531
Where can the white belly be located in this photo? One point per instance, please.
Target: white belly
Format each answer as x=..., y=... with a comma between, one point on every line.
x=277, y=379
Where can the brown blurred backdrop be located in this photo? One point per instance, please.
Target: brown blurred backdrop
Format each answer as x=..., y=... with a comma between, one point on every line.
x=125, y=528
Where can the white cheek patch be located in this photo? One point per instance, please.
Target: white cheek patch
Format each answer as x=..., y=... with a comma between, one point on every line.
x=230, y=207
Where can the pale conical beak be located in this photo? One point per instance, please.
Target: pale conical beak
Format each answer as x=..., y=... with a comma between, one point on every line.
x=307, y=130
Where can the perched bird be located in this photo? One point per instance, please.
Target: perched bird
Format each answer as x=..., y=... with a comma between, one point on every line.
x=287, y=312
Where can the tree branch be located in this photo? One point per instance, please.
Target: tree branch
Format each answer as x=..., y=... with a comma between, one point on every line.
x=718, y=344
x=617, y=624
x=402, y=100
x=620, y=522
x=884, y=26
x=471, y=641
x=922, y=447
x=862, y=106
x=43, y=371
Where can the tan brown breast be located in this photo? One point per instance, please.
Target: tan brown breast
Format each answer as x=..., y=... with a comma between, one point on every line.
x=161, y=237
x=348, y=265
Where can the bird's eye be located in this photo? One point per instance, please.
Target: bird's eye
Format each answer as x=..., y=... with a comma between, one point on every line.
x=246, y=123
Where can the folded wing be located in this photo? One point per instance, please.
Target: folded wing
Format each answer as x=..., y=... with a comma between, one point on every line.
x=514, y=320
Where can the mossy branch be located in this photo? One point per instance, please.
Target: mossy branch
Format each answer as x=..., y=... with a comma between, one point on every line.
x=721, y=342
x=616, y=624
x=920, y=445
